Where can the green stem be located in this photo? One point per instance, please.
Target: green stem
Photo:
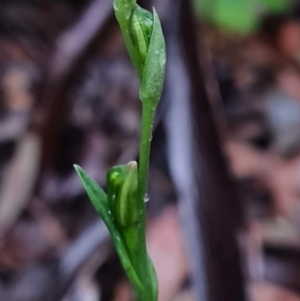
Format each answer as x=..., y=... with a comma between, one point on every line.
x=148, y=114
x=145, y=143
x=135, y=236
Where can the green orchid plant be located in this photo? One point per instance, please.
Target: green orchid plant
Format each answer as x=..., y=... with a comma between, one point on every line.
x=123, y=208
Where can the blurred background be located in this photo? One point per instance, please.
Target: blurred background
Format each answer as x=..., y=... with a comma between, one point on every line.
x=68, y=94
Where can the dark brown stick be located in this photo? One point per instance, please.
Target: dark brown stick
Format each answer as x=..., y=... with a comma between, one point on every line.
x=209, y=206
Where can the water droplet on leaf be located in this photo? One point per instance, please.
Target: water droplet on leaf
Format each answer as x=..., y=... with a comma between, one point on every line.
x=146, y=198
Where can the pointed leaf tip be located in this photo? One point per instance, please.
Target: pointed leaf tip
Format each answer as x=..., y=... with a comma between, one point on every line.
x=96, y=194
x=79, y=170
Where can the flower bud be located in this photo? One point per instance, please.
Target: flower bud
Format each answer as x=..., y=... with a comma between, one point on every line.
x=122, y=186
x=141, y=30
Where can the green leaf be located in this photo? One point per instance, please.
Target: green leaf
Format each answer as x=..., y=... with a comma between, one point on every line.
x=151, y=72
x=141, y=30
x=98, y=199
x=154, y=69
x=153, y=279
x=96, y=194
x=123, y=10
x=122, y=184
